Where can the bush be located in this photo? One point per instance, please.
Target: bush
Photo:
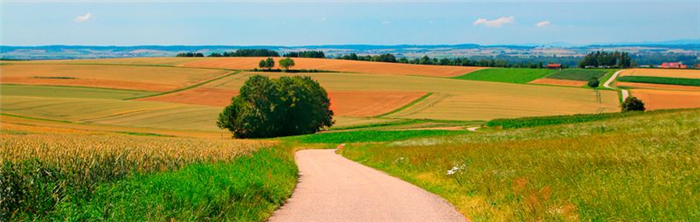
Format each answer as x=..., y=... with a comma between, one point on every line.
x=632, y=104
x=277, y=107
x=593, y=82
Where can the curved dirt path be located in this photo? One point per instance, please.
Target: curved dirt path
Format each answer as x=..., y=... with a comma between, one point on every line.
x=624, y=92
x=333, y=188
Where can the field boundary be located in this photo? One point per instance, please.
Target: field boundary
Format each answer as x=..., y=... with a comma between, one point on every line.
x=414, y=102
x=186, y=88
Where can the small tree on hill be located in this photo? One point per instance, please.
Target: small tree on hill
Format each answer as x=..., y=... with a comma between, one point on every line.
x=632, y=104
x=262, y=64
x=277, y=107
x=269, y=63
x=286, y=63
x=593, y=82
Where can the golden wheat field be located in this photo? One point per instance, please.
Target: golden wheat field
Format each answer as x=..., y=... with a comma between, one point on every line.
x=667, y=99
x=673, y=73
x=145, y=78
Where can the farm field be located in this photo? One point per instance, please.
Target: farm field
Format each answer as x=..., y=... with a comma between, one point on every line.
x=559, y=82
x=638, y=85
x=660, y=80
x=669, y=73
x=578, y=74
x=143, y=78
x=507, y=75
x=339, y=66
x=86, y=171
x=516, y=175
x=667, y=99
x=69, y=92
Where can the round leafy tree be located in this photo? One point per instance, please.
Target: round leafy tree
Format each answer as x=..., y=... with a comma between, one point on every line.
x=632, y=104
x=277, y=107
x=593, y=82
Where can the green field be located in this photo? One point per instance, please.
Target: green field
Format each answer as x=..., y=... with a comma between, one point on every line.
x=578, y=74
x=372, y=136
x=555, y=120
x=69, y=92
x=660, y=80
x=507, y=75
x=642, y=167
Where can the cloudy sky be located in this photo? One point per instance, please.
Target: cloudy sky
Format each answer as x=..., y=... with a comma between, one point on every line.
x=342, y=22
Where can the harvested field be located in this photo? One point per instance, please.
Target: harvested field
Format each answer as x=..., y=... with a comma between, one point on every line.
x=198, y=96
x=145, y=78
x=657, y=86
x=671, y=73
x=666, y=99
x=368, y=103
x=492, y=99
x=578, y=74
x=341, y=66
x=68, y=91
x=352, y=103
x=559, y=82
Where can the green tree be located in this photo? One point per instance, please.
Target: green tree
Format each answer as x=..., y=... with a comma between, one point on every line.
x=632, y=104
x=262, y=64
x=277, y=107
x=593, y=82
x=269, y=63
x=287, y=63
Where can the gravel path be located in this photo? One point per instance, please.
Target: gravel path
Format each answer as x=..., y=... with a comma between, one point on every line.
x=624, y=92
x=333, y=188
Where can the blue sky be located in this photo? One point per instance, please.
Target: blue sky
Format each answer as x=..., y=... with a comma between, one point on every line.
x=316, y=23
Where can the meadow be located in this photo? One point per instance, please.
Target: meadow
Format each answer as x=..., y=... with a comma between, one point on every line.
x=632, y=167
x=578, y=74
x=660, y=80
x=52, y=173
x=507, y=75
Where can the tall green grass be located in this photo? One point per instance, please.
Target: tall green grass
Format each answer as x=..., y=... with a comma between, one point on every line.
x=249, y=188
x=507, y=75
x=644, y=167
x=660, y=80
x=525, y=122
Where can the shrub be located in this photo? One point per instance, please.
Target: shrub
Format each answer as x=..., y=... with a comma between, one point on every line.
x=277, y=107
x=632, y=104
x=593, y=82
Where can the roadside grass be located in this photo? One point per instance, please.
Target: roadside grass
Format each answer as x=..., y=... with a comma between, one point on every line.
x=660, y=80
x=578, y=74
x=69, y=92
x=370, y=136
x=51, y=173
x=526, y=122
x=248, y=188
x=642, y=167
x=507, y=75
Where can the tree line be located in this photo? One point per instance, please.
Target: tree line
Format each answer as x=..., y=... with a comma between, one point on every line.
x=426, y=60
x=306, y=54
x=247, y=53
x=190, y=54
x=602, y=59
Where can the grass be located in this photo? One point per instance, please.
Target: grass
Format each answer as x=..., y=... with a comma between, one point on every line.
x=248, y=188
x=370, y=136
x=660, y=80
x=62, y=174
x=578, y=74
x=642, y=167
x=507, y=75
x=68, y=92
x=526, y=122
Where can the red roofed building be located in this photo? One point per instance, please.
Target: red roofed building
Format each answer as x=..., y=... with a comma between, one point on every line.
x=554, y=66
x=673, y=65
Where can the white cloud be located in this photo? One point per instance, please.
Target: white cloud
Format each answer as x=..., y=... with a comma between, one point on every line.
x=83, y=18
x=543, y=24
x=496, y=23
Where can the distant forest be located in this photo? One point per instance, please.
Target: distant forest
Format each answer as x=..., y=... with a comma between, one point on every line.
x=593, y=59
